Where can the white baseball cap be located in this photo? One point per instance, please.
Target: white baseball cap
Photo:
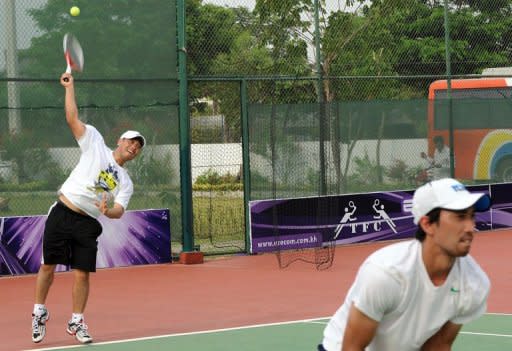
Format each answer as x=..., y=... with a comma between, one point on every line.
x=132, y=134
x=448, y=194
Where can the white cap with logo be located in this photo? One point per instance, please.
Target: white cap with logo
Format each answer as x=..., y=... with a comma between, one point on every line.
x=132, y=134
x=448, y=194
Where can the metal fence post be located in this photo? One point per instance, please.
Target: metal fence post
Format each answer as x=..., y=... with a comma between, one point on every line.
x=321, y=106
x=449, y=86
x=185, y=148
x=245, y=160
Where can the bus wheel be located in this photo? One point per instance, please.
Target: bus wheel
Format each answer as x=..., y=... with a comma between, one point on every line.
x=504, y=170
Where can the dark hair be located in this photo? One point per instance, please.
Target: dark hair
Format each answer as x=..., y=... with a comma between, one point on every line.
x=433, y=217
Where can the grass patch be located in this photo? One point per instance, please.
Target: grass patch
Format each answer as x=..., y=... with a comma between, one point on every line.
x=219, y=216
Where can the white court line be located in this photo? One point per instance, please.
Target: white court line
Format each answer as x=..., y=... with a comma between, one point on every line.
x=498, y=314
x=182, y=334
x=312, y=321
x=317, y=320
x=488, y=334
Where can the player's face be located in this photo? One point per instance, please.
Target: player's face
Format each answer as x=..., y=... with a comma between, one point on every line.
x=455, y=231
x=129, y=148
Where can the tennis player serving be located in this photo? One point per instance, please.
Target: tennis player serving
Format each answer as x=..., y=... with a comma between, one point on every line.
x=417, y=294
x=98, y=185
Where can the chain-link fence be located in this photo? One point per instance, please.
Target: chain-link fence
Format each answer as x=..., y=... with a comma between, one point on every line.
x=129, y=82
x=341, y=104
x=334, y=105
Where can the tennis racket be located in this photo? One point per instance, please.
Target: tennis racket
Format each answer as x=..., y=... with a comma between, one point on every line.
x=73, y=53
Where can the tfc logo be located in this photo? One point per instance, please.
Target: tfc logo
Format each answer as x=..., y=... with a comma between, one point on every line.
x=380, y=217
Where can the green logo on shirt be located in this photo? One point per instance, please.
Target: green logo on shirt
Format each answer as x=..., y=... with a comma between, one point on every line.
x=452, y=289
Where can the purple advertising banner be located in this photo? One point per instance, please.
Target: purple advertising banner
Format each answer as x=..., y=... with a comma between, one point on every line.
x=298, y=223
x=140, y=237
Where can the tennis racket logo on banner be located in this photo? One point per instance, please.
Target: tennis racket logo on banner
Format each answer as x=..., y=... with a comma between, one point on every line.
x=379, y=217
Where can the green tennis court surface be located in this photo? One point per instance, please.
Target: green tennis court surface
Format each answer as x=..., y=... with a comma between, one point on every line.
x=492, y=332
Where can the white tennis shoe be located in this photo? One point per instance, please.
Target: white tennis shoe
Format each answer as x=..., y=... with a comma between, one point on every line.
x=39, y=325
x=79, y=330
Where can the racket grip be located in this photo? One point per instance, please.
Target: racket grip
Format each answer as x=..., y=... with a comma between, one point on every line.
x=68, y=70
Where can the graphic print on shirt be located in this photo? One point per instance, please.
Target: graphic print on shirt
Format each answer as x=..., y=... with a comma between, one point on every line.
x=106, y=182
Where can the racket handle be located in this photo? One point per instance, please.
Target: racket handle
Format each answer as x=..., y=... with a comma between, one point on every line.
x=68, y=70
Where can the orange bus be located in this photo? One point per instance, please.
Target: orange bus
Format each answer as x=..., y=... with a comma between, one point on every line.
x=481, y=111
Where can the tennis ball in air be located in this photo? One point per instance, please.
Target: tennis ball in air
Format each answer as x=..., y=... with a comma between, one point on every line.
x=74, y=11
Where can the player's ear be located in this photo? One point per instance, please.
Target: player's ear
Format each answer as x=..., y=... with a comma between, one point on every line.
x=425, y=224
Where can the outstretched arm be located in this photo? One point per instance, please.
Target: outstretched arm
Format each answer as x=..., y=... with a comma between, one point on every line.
x=77, y=127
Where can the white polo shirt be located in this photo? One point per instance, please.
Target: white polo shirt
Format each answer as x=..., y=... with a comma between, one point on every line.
x=442, y=160
x=96, y=173
x=393, y=288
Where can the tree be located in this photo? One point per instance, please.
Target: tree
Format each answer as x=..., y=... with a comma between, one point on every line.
x=130, y=60
x=243, y=51
x=211, y=31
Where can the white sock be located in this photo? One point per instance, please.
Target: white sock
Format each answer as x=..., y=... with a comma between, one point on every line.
x=38, y=309
x=77, y=317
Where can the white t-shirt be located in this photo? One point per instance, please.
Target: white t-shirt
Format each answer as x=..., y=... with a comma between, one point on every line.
x=96, y=172
x=393, y=288
x=442, y=163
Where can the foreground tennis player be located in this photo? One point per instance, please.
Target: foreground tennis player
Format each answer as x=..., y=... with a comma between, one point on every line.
x=98, y=185
x=417, y=294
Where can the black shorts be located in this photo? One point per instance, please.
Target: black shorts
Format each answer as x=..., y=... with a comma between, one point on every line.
x=70, y=238
x=321, y=347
